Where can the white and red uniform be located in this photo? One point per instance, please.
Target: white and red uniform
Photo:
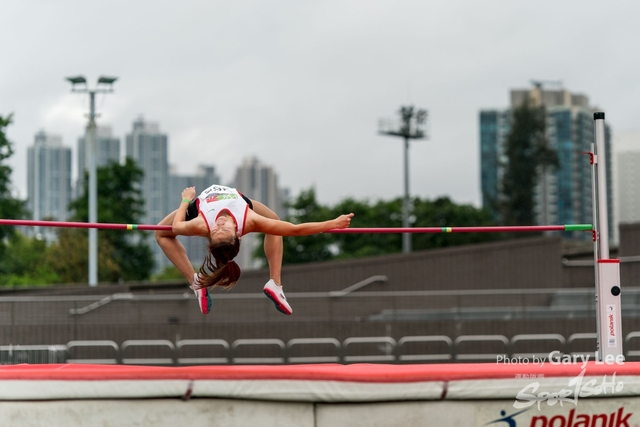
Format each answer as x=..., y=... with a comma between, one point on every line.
x=217, y=199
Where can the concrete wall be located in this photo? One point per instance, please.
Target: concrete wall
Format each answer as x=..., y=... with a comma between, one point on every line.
x=156, y=413
x=242, y=413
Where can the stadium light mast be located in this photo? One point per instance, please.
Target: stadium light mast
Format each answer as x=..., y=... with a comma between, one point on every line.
x=104, y=85
x=411, y=126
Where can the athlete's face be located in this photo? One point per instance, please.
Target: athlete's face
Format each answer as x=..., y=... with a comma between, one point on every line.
x=223, y=230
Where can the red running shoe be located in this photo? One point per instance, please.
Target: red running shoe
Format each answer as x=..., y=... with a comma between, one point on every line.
x=202, y=295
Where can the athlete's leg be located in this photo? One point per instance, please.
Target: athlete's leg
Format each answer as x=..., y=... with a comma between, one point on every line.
x=273, y=249
x=173, y=249
x=273, y=245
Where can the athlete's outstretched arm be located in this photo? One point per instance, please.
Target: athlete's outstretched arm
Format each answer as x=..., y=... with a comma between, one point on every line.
x=261, y=224
x=173, y=249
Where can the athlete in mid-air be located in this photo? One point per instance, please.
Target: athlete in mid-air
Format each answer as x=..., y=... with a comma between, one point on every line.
x=223, y=215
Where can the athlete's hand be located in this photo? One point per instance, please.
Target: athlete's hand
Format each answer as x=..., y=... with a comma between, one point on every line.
x=343, y=221
x=189, y=193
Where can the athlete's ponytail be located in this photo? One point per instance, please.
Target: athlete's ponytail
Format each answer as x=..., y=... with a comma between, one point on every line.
x=224, y=272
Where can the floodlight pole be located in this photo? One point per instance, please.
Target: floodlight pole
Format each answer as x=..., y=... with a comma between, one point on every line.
x=90, y=155
x=90, y=161
x=406, y=211
x=410, y=128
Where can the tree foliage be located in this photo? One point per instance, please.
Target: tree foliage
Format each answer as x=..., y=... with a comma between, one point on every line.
x=441, y=212
x=10, y=207
x=170, y=272
x=22, y=259
x=25, y=262
x=527, y=151
x=308, y=248
x=119, y=200
x=69, y=257
x=379, y=214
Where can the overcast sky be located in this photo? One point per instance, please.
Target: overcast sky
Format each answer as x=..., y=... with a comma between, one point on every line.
x=302, y=84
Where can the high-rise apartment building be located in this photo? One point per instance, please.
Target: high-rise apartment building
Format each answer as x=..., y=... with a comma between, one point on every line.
x=494, y=128
x=259, y=182
x=629, y=186
x=48, y=180
x=204, y=177
x=149, y=148
x=628, y=177
x=563, y=194
x=107, y=149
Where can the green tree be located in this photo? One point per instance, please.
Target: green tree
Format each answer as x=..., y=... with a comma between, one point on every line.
x=10, y=207
x=441, y=212
x=318, y=247
x=527, y=152
x=69, y=257
x=301, y=249
x=25, y=262
x=119, y=201
x=381, y=214
x=170, y=272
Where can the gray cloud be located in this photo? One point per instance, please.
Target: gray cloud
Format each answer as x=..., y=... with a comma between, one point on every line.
x=302, y=85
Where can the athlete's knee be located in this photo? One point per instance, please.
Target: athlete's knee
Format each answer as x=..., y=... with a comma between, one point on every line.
x=160, y=234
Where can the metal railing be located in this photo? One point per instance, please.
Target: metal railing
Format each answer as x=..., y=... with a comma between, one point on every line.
x=129, y=296
x=272, y=343
x=60, y=319
x=384, y=349
x=310, y=343
x=404, y=342
x=461, y=342
x=373, y=306
x=557, y=339
x=93, y=345
x=408, y=349
x=93, y=302
x=183, y=345
x=33, y=354
x=159, y=345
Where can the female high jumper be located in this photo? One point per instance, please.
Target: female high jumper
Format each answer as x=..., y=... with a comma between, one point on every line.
x=223, y=215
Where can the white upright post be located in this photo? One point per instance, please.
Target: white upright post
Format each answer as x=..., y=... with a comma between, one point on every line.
x=594, y=211
x=607, y=270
